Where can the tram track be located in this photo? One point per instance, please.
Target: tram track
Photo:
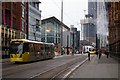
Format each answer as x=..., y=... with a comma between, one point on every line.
x=60, y=72
x=67, y=71
x=51, y=69
x=64, y=74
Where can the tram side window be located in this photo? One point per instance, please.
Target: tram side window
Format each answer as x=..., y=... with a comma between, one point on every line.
x=38, y=47
x=52, y=48
x=31, y=47
x=25, y=47
x=46, y=49
x=34, y=47
x=42, y=49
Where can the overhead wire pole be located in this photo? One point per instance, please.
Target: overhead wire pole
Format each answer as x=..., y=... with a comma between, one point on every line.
x=67, y=44
x=61, y=22
x=61, y=10
x=83, y=26
x=83, y=33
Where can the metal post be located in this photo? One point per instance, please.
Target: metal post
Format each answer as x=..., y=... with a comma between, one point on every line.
x=84, y=26
x=62, y=11
x=88, y=32
x=67, y=44
x=116, y=41
x=96, y=42
x=73, y=42
x=45, y=36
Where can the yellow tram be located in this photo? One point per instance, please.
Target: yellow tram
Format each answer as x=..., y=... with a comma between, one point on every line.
x=23, y=50
x=92, y=51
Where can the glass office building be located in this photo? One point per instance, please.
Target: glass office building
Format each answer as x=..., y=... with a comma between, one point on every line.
x=51, y=30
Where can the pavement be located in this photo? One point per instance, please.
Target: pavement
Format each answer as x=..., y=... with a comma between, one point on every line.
x=4, y=60
x=98, y=69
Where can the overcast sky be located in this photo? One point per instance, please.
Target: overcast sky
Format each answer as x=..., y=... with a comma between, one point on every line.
x=73, y=10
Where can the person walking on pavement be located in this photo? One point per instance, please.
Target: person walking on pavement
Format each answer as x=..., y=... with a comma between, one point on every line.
x=100, y=53
x=102, y=50
x=106, y=53
x=88, y=53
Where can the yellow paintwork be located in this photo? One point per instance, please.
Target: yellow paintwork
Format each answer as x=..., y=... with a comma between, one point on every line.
x=17, y=58
x=92, y=52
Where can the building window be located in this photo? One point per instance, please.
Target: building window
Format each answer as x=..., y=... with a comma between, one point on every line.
x=37, y=25
x=23, y=11
x=116, y=11
x=23, y=2
x=37, y=22
x=33, y=4
x=14, y=10
x=37, y=6
x=50, y=39
x=23, y=25
x=14, y=23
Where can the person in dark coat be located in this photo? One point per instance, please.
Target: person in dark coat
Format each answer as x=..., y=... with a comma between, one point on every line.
x=88, y=55
x=107, y=54
x=102, y=50
x=100, y=53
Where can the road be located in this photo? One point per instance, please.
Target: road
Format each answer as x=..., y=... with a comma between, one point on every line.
x=35, y=69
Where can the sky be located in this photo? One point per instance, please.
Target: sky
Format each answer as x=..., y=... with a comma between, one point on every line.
x=73, y=10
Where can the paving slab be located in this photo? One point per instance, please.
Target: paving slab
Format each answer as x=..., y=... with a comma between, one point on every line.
x=98, y=68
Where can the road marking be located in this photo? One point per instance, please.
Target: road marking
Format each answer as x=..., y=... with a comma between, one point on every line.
x=74, y=69
x=51, y=69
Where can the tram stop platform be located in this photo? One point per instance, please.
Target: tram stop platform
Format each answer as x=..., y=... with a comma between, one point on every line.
x=98, y=69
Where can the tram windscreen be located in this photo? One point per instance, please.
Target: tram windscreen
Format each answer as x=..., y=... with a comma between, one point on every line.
x=16, y=48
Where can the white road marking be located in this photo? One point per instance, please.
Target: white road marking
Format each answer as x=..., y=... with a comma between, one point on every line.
x=74, y=69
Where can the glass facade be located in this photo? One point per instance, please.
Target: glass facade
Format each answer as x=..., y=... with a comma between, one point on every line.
x=89, y=32
x=51, y=32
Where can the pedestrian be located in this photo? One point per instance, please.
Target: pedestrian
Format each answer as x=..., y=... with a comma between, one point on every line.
x=87, y=49
x=107, y=53
x=88, y=55
x=102, y=50
x=100, y=53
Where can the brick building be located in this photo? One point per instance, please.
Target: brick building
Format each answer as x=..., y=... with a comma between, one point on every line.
x=114, y=27
x=14, y=23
